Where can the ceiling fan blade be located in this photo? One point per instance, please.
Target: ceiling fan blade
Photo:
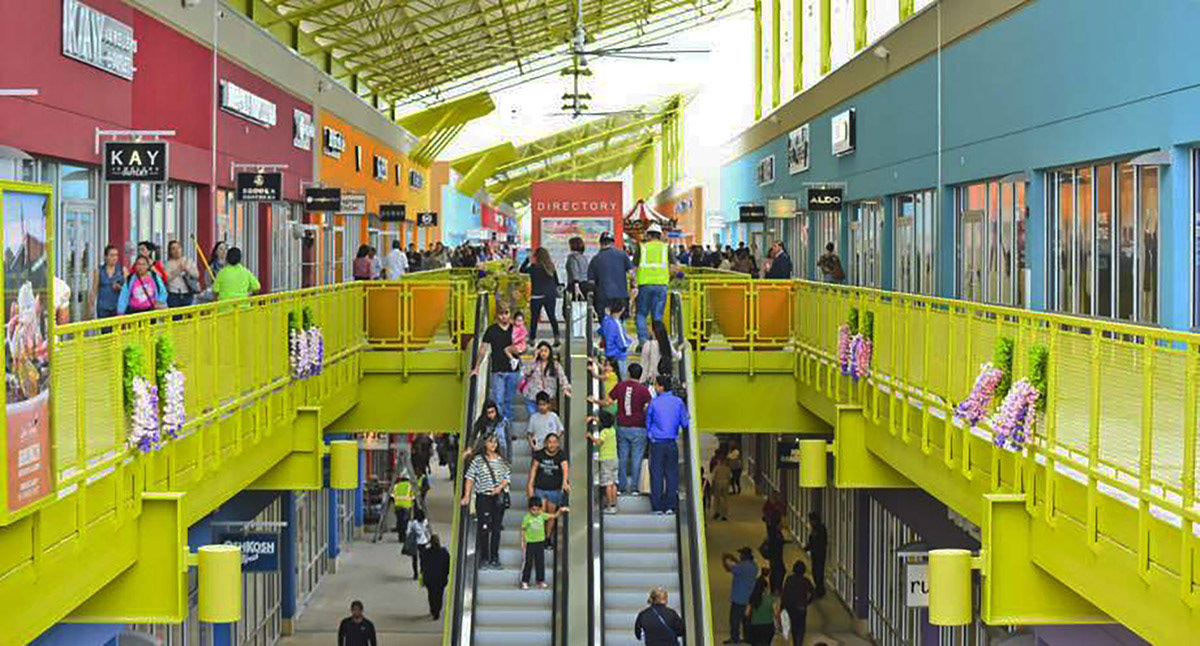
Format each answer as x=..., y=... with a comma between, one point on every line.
x=638, y=57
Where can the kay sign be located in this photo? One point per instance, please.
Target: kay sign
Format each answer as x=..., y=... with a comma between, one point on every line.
x=565, y=200
x=135, y=161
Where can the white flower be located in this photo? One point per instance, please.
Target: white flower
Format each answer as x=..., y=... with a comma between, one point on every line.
x=174, y=412
x=143, y=420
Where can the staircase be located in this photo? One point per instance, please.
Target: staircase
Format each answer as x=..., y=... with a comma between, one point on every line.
x=640, y=552
x=506, y=615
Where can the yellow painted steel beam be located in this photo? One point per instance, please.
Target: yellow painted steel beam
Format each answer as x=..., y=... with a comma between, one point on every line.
x=907, y=8
x=451, y=113
x=797, y=46
x=475, y=169
x=643, y=176
x=758, y=53
x=826, y=37
x=776, y=54
x=860, y=24
x=301, y=14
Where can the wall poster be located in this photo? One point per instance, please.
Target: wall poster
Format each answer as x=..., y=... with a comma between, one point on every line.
x=765, y=172
x=26, y=344
x=797, y=151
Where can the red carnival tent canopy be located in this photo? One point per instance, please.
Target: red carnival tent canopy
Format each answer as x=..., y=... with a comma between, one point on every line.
x=641, y=216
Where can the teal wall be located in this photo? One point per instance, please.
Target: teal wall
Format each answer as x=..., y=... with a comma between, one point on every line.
x=1055, y=83
x=459, y=213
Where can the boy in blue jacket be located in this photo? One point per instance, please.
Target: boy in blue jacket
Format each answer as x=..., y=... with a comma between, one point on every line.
x=612, y=330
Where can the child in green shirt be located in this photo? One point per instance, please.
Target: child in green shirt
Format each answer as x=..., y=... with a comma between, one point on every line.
x=533, y=540
x=606, y=442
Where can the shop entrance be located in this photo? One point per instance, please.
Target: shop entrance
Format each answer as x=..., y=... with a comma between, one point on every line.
x=866, y=231
x=79, y=245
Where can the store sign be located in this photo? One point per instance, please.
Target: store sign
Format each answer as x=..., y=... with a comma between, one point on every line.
x=302, y=129
x=260, y=552
x=97, y=39
x=427, y=219
x=393, y=212
x=334, y=142
x=783, y=207
x=259, y=187
x=246, y=104
x=842, y=130
x=323, y=199
x=135, y=161
x=824, y=199
x=916, y=582
x=752, y=213
x=787, y=454
x=353, y=204
x=416, y=179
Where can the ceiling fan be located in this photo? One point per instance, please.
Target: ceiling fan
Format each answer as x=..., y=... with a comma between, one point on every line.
x=576, y=101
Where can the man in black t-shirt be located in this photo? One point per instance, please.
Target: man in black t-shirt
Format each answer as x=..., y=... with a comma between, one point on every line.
x=356, y=630
x=498, y=337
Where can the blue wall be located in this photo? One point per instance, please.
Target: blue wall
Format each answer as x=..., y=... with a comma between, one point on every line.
x=1052, y=84
x=460, y=214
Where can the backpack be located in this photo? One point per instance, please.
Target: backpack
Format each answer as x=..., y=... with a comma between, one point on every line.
x=410, y=542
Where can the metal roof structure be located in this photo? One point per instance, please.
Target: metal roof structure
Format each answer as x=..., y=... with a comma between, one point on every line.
x=397, y=53
x=598, y=148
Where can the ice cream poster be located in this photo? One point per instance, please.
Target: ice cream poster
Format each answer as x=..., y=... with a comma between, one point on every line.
x=26, y=346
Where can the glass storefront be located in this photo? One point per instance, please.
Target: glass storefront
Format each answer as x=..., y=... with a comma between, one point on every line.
x=287, y=240
x=891, y=621
x=237, y=225
x=162, y=213
x=916, y=243
x=1103, y=240
x=866, y=241
x=312, y=543
x=826, y=228
x=992, y=221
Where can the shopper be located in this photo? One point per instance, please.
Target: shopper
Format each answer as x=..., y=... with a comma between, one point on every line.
x=631, y=397
x=772, y=550
x=402, y=501
x=578, y=286
x=831, y=266
x=396, y=263
x=520, y=340
x=658, y=625
x=659, y=354
x=356, y=630
x=435, y=574
x=376, y=263
x=534, y=541
x=781, y=263
x=216, y=260
x=543, y=423
x=763, y=613
x=665, y=417
x=151, y=250
x=489, y=424
x=608, y=273
x=654, y=260
x=744, y=572
x=362, y=263
x=772, y=511
x=107, y=281
x=504, y=376
x=235, y=281
x=143, y=290
x=817, y=546
x=488, y=477
x=543, y=374
x=612, y=330
x=605, y=441
x=183, y=278
x=735, y=470
x=797, y=594
x=543, y=290
x=416, y=540
x=549, y=479
x=719, y=486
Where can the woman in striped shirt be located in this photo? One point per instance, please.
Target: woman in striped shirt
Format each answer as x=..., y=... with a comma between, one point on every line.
x=489, y=477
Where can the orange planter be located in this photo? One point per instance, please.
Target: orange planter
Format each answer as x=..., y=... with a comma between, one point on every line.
x=728, y=305
x=429, y=307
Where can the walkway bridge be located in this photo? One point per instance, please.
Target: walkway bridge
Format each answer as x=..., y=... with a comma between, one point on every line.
x=1093, y=521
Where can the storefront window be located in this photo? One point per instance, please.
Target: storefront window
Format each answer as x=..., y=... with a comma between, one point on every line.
x=991, y=224
x=161, y=213
x=866, y=234
x=286, y=245
x=915, y=243
x=237, y=225
x=826, y=227
x=1083, y=279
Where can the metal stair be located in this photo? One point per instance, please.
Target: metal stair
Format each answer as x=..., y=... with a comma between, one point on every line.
x=506, y=615
x=640, y=551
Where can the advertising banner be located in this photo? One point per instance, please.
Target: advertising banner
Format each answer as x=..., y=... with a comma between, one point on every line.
x=28, y=306
x=596, y=205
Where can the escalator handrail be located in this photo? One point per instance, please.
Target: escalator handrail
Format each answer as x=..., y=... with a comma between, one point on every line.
x=562, y=559
x=698, y=605
x=465, y=558
x=595, y=542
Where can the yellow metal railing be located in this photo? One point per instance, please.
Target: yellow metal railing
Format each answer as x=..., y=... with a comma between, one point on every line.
x=733, y=310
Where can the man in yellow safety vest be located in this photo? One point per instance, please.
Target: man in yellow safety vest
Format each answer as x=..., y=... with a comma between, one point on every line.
x=653, y=261
x=402, y=498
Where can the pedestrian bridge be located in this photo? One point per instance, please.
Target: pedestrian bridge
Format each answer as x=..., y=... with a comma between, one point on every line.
x=1093, y=520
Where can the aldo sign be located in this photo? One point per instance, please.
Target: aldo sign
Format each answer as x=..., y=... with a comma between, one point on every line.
x=135, y=161
x=824, y=199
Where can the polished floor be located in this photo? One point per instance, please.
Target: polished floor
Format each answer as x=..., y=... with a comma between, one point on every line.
x=379, y=576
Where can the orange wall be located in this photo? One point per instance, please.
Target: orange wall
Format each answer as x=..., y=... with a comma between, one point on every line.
x=690, y=220
x=342, y=173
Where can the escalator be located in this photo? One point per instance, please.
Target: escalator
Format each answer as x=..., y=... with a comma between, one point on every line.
x=634, y=549
x=488, y=607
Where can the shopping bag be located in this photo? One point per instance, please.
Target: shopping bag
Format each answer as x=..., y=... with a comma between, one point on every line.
x=785, y=625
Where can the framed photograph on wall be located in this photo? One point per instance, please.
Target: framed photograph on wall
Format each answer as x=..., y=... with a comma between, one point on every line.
x=766, y=170
x=798, y=150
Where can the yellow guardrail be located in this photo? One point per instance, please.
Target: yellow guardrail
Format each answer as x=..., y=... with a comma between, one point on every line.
x=1120, y=414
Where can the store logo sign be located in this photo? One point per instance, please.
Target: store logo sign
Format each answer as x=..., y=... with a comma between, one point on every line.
x=247, y=105
x=135, y=161
x=917, y=585
x=302, y=130
x=393, y=212
x=323, y=199
x=427, y=219
x=842, y=127
x=260, y=552
x=260, y=187
x=97, y=39
x=353, y=204
x=381, y=168
x=335, y=142
x=824, y=199
x=752, y=213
